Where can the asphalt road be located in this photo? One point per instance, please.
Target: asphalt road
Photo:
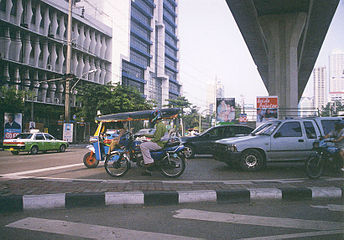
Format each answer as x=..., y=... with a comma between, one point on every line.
x=252, y=221
x=70, y=165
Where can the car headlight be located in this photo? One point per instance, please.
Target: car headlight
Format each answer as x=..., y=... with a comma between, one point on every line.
x=231, y=148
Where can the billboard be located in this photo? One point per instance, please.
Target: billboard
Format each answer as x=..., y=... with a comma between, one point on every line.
x=267, y=109
x=225, y=109
x=68, y=132
x=13, y=125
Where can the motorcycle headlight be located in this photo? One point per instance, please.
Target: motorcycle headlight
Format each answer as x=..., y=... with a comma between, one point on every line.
x=231, y=148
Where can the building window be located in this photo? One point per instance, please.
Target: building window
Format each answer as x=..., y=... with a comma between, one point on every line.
x=140, y=16
x=14, y=8
x=132, y=71
x=144, y=47
x=139, y=59
x=143, y=32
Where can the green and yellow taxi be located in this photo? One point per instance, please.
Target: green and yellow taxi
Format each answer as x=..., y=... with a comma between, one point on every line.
x=33, y=142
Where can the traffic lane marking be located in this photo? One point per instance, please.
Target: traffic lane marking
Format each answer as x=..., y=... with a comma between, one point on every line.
x=331, y=207
x=297, y=235
x=89, y=231
x=16, y=174
x=257, y=220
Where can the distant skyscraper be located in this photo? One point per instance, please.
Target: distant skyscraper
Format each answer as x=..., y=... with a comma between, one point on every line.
x=320, y=89
x=336, y=76
x=220, y=89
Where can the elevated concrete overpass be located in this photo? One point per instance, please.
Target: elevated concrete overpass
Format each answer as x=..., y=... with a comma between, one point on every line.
x=284, y=38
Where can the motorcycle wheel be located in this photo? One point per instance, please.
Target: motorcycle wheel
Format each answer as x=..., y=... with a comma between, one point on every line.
x=90, y=161
x=116, y=165
x=174, y=166
x=314, y=166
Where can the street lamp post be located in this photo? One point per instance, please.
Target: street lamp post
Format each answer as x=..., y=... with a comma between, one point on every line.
x=68, y=61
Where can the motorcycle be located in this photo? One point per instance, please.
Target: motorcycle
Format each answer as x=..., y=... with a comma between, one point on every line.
x=326, y=156
x=100, y=146
x=170, y=160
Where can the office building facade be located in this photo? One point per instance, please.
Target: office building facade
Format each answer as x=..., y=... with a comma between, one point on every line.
x=145, y=45
x=33, y=46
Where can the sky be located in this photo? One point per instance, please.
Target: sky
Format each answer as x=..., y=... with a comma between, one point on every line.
x=212, y=47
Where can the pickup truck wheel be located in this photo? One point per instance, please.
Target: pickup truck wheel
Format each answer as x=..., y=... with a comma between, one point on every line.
x=251, y=160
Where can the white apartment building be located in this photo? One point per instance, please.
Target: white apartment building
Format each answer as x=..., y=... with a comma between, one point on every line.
x=336, y=76
x=320, y=87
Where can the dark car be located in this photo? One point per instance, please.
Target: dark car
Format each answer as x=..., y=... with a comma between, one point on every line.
x=203, y=143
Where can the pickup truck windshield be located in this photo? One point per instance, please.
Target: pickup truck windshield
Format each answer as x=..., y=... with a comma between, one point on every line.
x=267, y=129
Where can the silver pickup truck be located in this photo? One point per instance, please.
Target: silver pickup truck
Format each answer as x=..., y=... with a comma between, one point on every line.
x=274, y=141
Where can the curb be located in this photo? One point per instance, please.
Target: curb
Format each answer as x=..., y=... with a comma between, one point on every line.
x=158, y=198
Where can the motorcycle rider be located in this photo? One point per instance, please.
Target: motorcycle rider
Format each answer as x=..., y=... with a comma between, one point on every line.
x=338, y=134
x=155, y=144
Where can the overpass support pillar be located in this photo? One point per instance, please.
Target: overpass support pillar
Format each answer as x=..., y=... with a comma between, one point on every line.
x=282, y=34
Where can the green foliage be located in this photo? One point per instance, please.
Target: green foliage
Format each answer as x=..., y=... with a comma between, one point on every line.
x=191, y=119
x=109, y=99
x=179, y=102
x=331, y=109
x=12, y=100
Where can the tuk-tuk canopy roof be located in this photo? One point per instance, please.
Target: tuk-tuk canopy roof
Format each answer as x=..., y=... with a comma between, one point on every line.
x=167, y=113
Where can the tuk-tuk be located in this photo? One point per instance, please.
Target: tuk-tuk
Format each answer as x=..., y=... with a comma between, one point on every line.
x=100, y=143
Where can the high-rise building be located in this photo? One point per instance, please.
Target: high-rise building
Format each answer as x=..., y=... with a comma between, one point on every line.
x=33, y=46
x=320, y=87
x=145, y=45
x=336, y=76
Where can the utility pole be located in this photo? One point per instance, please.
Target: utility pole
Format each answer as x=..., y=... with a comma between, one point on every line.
x=68, y=61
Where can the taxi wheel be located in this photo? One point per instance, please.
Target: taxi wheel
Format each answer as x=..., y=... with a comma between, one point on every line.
x=62, y=148
x=90, y=161
x=34, y=150
x=15, y=152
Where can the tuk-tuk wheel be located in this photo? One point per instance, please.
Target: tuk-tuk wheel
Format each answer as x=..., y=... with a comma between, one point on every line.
x=90, y=160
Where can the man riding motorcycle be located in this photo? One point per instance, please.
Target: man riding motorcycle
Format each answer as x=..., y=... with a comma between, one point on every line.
x=338, y=134
x=155, y=144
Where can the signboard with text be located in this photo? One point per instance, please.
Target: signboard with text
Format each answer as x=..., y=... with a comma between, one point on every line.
x=68, y=132
x=267, y=109
x=13, y=125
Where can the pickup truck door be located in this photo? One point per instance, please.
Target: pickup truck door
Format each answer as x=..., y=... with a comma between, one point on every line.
x=288, y=142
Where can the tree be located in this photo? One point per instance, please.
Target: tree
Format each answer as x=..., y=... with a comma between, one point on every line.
x=331, y=109
x=180, y=102
x=109, y=99
x=12, y=100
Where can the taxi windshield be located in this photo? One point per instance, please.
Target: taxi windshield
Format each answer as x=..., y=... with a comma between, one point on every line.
x=23, y=136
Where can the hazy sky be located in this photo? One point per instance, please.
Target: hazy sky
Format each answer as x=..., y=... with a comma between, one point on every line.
x=211, y=46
